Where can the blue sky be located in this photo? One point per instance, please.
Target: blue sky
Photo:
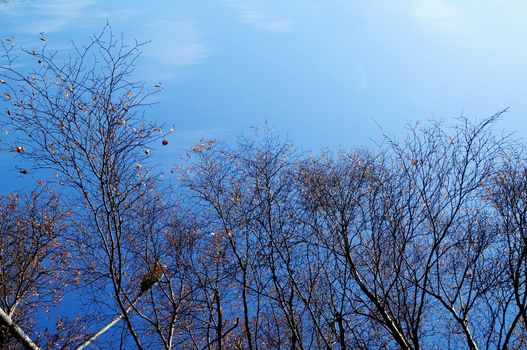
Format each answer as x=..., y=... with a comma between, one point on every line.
x=322, y=72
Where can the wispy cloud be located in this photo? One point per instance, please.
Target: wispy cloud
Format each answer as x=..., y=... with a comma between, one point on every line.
x=253, y=14
x=438, y=16
x=52, y=16
x=176, y=42
x=175, y=45
x=7, y=4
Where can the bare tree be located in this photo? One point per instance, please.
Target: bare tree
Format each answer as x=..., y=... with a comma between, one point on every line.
x=445, y=175
x=33, y=254
x=506, y=193
x=407, y=228
x=82, y=118
x=246, y=195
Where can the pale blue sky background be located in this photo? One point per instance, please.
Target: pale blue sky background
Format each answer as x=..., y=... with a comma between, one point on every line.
x=320, y=71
